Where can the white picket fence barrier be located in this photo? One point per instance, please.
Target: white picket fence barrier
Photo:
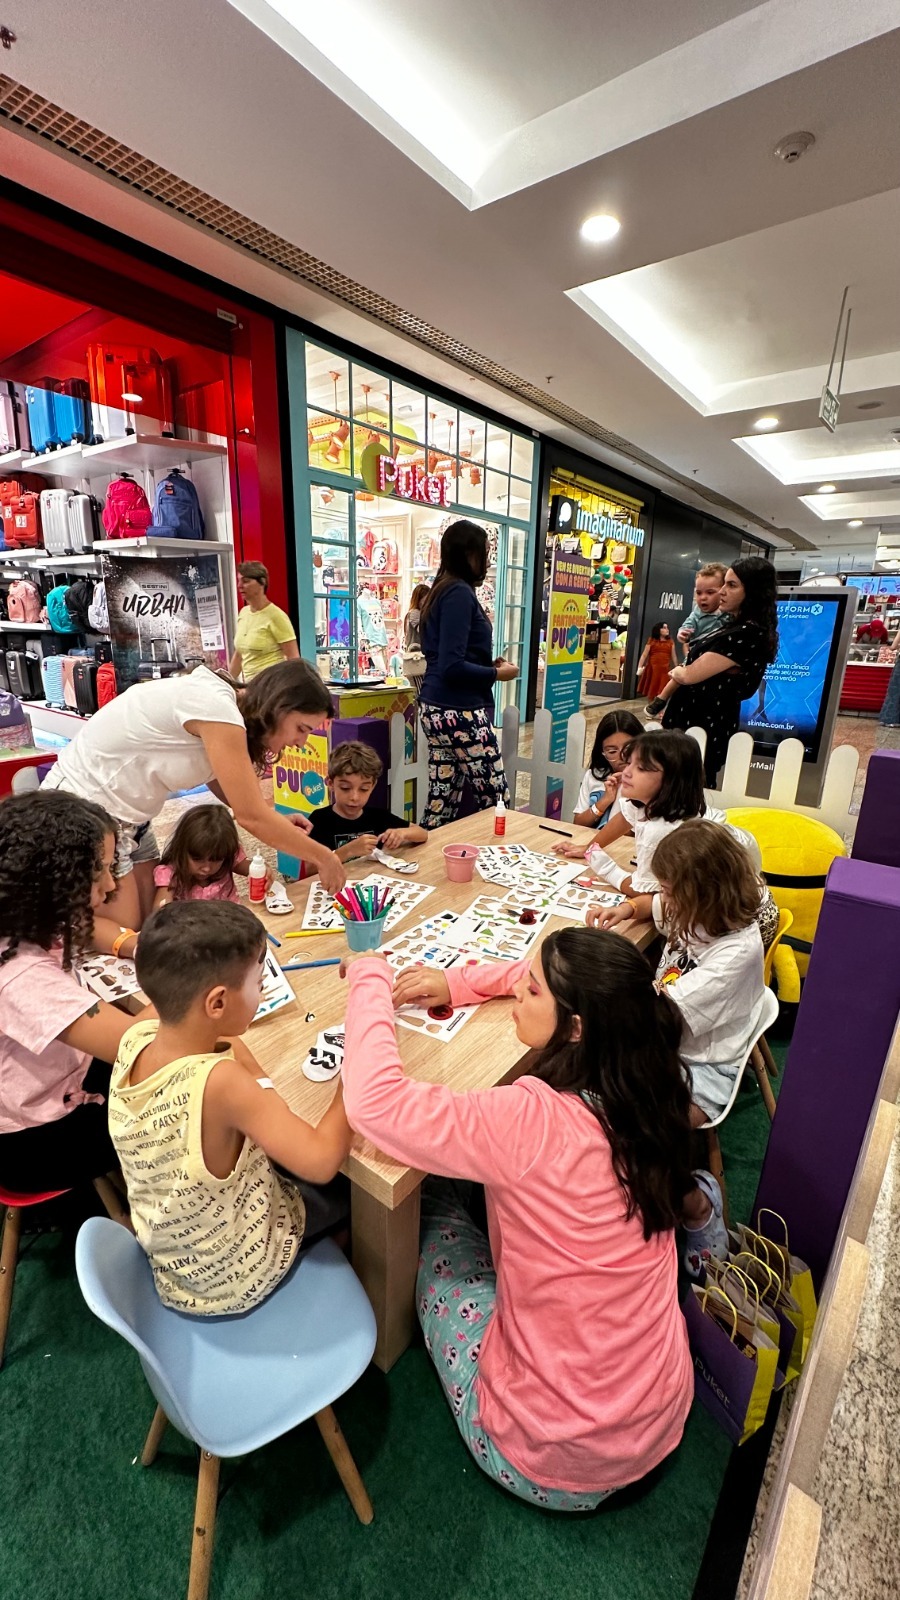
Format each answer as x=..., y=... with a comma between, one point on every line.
x=833, y=808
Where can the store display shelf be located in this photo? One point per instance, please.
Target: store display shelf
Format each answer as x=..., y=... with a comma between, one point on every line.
x=151, y=546
x=53, y=719
x=11, y=460
x=145, y=450
x=25, y=627
x=65, y=463
x=42, y=559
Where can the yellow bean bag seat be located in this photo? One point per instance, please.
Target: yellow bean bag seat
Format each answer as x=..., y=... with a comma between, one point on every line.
x=796, y=854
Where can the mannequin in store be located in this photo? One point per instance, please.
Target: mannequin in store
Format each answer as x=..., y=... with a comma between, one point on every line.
x=170, y=734
x=264, y=634
x=456, y=698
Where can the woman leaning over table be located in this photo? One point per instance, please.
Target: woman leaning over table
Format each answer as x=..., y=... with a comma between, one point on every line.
x=178, y=733
x=456, y=695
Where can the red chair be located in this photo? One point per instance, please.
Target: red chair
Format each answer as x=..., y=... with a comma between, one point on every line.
x=14, y=1205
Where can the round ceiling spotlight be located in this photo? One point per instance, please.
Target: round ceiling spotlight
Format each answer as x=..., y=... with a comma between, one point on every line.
x=827, y=488
x=601, y=228
x=856, y=523
x=793, y=146
x=870, y=405
x=765, y=424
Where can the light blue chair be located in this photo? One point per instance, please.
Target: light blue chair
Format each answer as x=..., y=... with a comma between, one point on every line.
x=231, y=1384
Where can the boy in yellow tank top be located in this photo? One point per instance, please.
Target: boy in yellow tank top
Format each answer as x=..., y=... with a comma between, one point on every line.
x=196, y=1131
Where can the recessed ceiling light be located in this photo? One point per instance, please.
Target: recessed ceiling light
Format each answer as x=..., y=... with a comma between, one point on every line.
x=827, y=488
x=600, y=228
x=765, y=424
x=856, y=523
x=134, y=398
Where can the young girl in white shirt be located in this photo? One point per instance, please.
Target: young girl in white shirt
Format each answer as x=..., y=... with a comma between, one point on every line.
x=597, y=797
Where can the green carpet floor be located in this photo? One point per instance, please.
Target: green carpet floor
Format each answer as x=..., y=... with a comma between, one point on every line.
x=79, y=1519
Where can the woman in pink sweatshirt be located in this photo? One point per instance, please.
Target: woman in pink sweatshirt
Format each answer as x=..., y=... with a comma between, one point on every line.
x=558, y=1337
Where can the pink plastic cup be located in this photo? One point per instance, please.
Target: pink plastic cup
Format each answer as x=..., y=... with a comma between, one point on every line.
x=459, y=862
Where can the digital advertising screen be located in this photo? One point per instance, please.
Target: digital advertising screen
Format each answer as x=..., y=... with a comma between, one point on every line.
x=792, y=699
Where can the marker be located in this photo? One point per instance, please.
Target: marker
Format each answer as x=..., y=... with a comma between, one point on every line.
x=304, y=966
x=272, y=940
x=312, y=933
x=547, y=829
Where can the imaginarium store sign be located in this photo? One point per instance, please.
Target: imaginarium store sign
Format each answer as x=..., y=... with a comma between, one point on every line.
x=601, y=526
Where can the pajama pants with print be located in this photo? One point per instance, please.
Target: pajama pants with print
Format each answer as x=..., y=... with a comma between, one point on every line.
x=461, y=745
x=456, y=1289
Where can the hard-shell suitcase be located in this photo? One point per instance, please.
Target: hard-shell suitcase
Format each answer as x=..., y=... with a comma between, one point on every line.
x=24, y=672
x=85, y=682
x=52, y=680
x=69, y=663
x=55, y=521
x=72, y=410
x=83, y=520
x=41, y=402
x=4, y=675
x=22, y=523
x=131, y=391
x=14, y=430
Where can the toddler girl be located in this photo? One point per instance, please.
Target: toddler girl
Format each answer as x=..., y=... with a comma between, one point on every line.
x=599, y=786
x=557, y=1335
x=201, y=858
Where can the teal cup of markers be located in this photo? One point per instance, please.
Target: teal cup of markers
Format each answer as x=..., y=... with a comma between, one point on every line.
x=365, y=911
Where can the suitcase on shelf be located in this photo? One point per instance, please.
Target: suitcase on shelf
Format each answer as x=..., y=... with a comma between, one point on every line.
x=41, y=403
x=14, y=430
x=22, y=523
x=55, y=521
x=69, y=663
x=131, y=391
x=24, y=672
x=46, y=645
x=85, y=683
x=52, y=680
x=84, y=522
x=4, y=675
x=72, y=411
x=107, y=687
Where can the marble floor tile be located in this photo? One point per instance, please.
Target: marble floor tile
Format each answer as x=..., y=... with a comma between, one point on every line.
x=878, y=1333
x=858, y=1487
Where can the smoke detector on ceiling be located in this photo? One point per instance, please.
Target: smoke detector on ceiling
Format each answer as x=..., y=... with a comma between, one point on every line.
x=793, y=146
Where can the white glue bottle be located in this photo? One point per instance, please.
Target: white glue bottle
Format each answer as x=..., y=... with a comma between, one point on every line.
x=499, y=820
x=257, y=879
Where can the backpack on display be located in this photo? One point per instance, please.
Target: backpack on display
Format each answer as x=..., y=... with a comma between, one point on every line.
x=107, y=688
x=58, y=612
x=177, y=513
x=15, y=729
x=98, y=610
x=126, y=514
x=21, y=517
x=25, y=601
x=78, y=600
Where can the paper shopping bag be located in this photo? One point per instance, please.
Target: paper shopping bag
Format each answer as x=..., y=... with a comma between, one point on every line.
x=779, y=1314
x=798, y=1299
x=799, y=1276
x=734, y=1362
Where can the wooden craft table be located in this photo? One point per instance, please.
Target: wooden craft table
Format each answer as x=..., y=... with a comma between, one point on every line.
x=385, y=1194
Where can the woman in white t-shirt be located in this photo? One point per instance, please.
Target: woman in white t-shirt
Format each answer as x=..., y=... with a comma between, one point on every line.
x=178, y=733
x=57, y=1039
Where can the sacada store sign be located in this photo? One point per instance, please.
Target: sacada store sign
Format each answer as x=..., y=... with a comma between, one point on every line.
x=386, y=474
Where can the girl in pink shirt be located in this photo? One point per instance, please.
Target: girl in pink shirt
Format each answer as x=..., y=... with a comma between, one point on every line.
x=557, y=1336
x=201, y=858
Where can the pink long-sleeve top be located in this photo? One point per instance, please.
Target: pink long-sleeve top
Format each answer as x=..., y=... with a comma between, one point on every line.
x=584, y=1377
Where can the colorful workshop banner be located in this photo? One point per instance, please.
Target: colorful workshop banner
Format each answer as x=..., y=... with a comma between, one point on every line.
x=567, y=617
x=299, y=785
x=164, y=612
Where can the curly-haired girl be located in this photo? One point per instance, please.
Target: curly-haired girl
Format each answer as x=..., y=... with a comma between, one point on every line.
x=56, y=853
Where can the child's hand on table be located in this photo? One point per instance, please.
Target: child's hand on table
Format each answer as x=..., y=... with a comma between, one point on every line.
x=421, y=986
x=394, y=839
x=350, y=956
x=575, y=851
x=609, y=917
x=362, y=845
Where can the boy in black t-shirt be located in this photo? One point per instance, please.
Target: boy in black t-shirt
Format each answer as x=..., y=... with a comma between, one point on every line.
x=349, y=826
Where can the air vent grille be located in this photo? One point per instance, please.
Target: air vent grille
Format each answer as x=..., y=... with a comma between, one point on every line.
x=25, y=109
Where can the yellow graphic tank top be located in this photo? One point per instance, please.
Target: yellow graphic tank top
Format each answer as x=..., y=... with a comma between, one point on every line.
x=216, y=1245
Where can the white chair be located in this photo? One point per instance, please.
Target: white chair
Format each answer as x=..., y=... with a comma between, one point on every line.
x=758, y=1057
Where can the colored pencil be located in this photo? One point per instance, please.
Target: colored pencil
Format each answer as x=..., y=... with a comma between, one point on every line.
x=312, y=933
x=304, y=966
x=272, y=940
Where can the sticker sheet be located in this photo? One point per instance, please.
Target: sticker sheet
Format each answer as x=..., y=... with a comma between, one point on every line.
x=527, y=869
x=276, y=991
x=111, y=977
x=426, y=945
x=494, y=931
x=321, y=912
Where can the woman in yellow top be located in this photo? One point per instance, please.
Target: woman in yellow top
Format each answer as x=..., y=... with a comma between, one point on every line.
x=264, y=634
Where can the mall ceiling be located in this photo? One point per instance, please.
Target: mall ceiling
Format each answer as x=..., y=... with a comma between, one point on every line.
x=446, y=161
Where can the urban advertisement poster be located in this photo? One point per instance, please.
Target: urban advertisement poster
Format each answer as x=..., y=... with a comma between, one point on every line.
x=791, y=700
x=567, y=617
x=164, y=612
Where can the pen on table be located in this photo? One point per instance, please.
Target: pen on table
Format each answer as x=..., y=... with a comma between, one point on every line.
x=298, y=966
x=566, y=832
x=272, y=940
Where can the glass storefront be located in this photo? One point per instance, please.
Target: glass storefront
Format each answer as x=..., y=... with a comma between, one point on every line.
x=381, y=467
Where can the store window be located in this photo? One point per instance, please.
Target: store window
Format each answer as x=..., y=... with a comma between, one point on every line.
x=387, y=467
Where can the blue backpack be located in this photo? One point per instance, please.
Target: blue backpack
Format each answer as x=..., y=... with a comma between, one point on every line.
x=176, y=511
x=58, y=612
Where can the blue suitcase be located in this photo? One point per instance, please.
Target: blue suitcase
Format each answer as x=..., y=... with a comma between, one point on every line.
x=41, y=405
x=52, y=680
x=72, y=411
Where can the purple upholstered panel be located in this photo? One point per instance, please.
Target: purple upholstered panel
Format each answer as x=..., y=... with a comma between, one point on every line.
x=878, y=829
x=376, y=734
x=845, y=1023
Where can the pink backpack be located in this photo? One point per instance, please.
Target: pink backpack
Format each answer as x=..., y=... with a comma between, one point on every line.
x=25, y=601
x=127, y=513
